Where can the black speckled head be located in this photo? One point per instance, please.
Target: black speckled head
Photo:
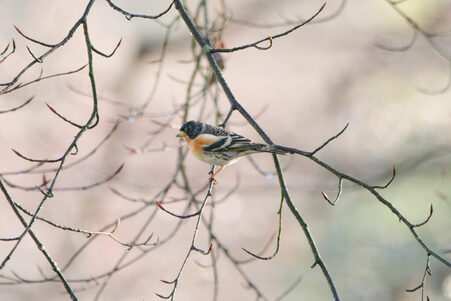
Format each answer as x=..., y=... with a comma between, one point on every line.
x=191, y=129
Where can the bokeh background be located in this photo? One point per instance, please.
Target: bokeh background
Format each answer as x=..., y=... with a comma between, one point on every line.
x=303, y=90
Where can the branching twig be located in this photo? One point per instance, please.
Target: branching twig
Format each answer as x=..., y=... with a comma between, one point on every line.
x=279, y=233
x=4, y=56
x=429, y=37
x=74, y=188
x=63, y=118
x=192, y=247
x=37, y=242
x=287, y=22
x=201, y=91
x=427, y=271
x=268, y=39
x=40, y=78
x=54, y=47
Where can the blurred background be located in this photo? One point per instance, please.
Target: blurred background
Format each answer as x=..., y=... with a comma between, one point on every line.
x=302, y=91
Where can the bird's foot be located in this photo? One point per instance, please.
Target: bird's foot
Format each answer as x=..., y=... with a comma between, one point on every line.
x=213, y=179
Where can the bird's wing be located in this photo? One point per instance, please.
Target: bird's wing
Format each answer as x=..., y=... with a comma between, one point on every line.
x=221, y=143
x=231, y=143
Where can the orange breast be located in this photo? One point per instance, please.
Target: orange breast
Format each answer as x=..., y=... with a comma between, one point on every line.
x=197, y=144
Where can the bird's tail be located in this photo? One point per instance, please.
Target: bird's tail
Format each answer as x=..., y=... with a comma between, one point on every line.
x=271, y=149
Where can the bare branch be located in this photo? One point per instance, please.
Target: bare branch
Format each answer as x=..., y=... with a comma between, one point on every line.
x=286, y=21
x=36, y=160
x=37, y=242
x=18, y=107
x=54, y=47
x=177, y=215
x=269, y=39
x=429, y=37
x=337, y=198
x=427, y=271
x=34, y=40
x=279, y=233
x=49, y=192
x=4, y=56
x=329, y=140
x=390, y=181
x=426, y=220
x=100, y=182
x=130, y=16
x=40, y=78
x=32, y=54
x=107, y=55
x=62, y=117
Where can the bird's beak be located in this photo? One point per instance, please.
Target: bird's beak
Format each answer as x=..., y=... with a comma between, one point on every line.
x=181, y=134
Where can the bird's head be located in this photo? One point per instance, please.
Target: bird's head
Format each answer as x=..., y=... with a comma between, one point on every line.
x=191, y=129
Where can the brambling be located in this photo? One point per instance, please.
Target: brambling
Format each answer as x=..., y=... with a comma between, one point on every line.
x=217, y=146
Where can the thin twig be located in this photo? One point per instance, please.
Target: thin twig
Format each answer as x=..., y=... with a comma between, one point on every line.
x=18, y=107
x=130, y=16
x=269, y=39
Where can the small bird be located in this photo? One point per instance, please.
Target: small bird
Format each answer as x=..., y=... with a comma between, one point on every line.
x=217, y=146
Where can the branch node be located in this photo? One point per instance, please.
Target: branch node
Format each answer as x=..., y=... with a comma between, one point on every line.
x=314, y=264
x=206, y=49
x=4, y=56
x=329, y=140
x=48, y=194
x=36, y=58
x=97, y=119
x=62, y=117
x=75, y=152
